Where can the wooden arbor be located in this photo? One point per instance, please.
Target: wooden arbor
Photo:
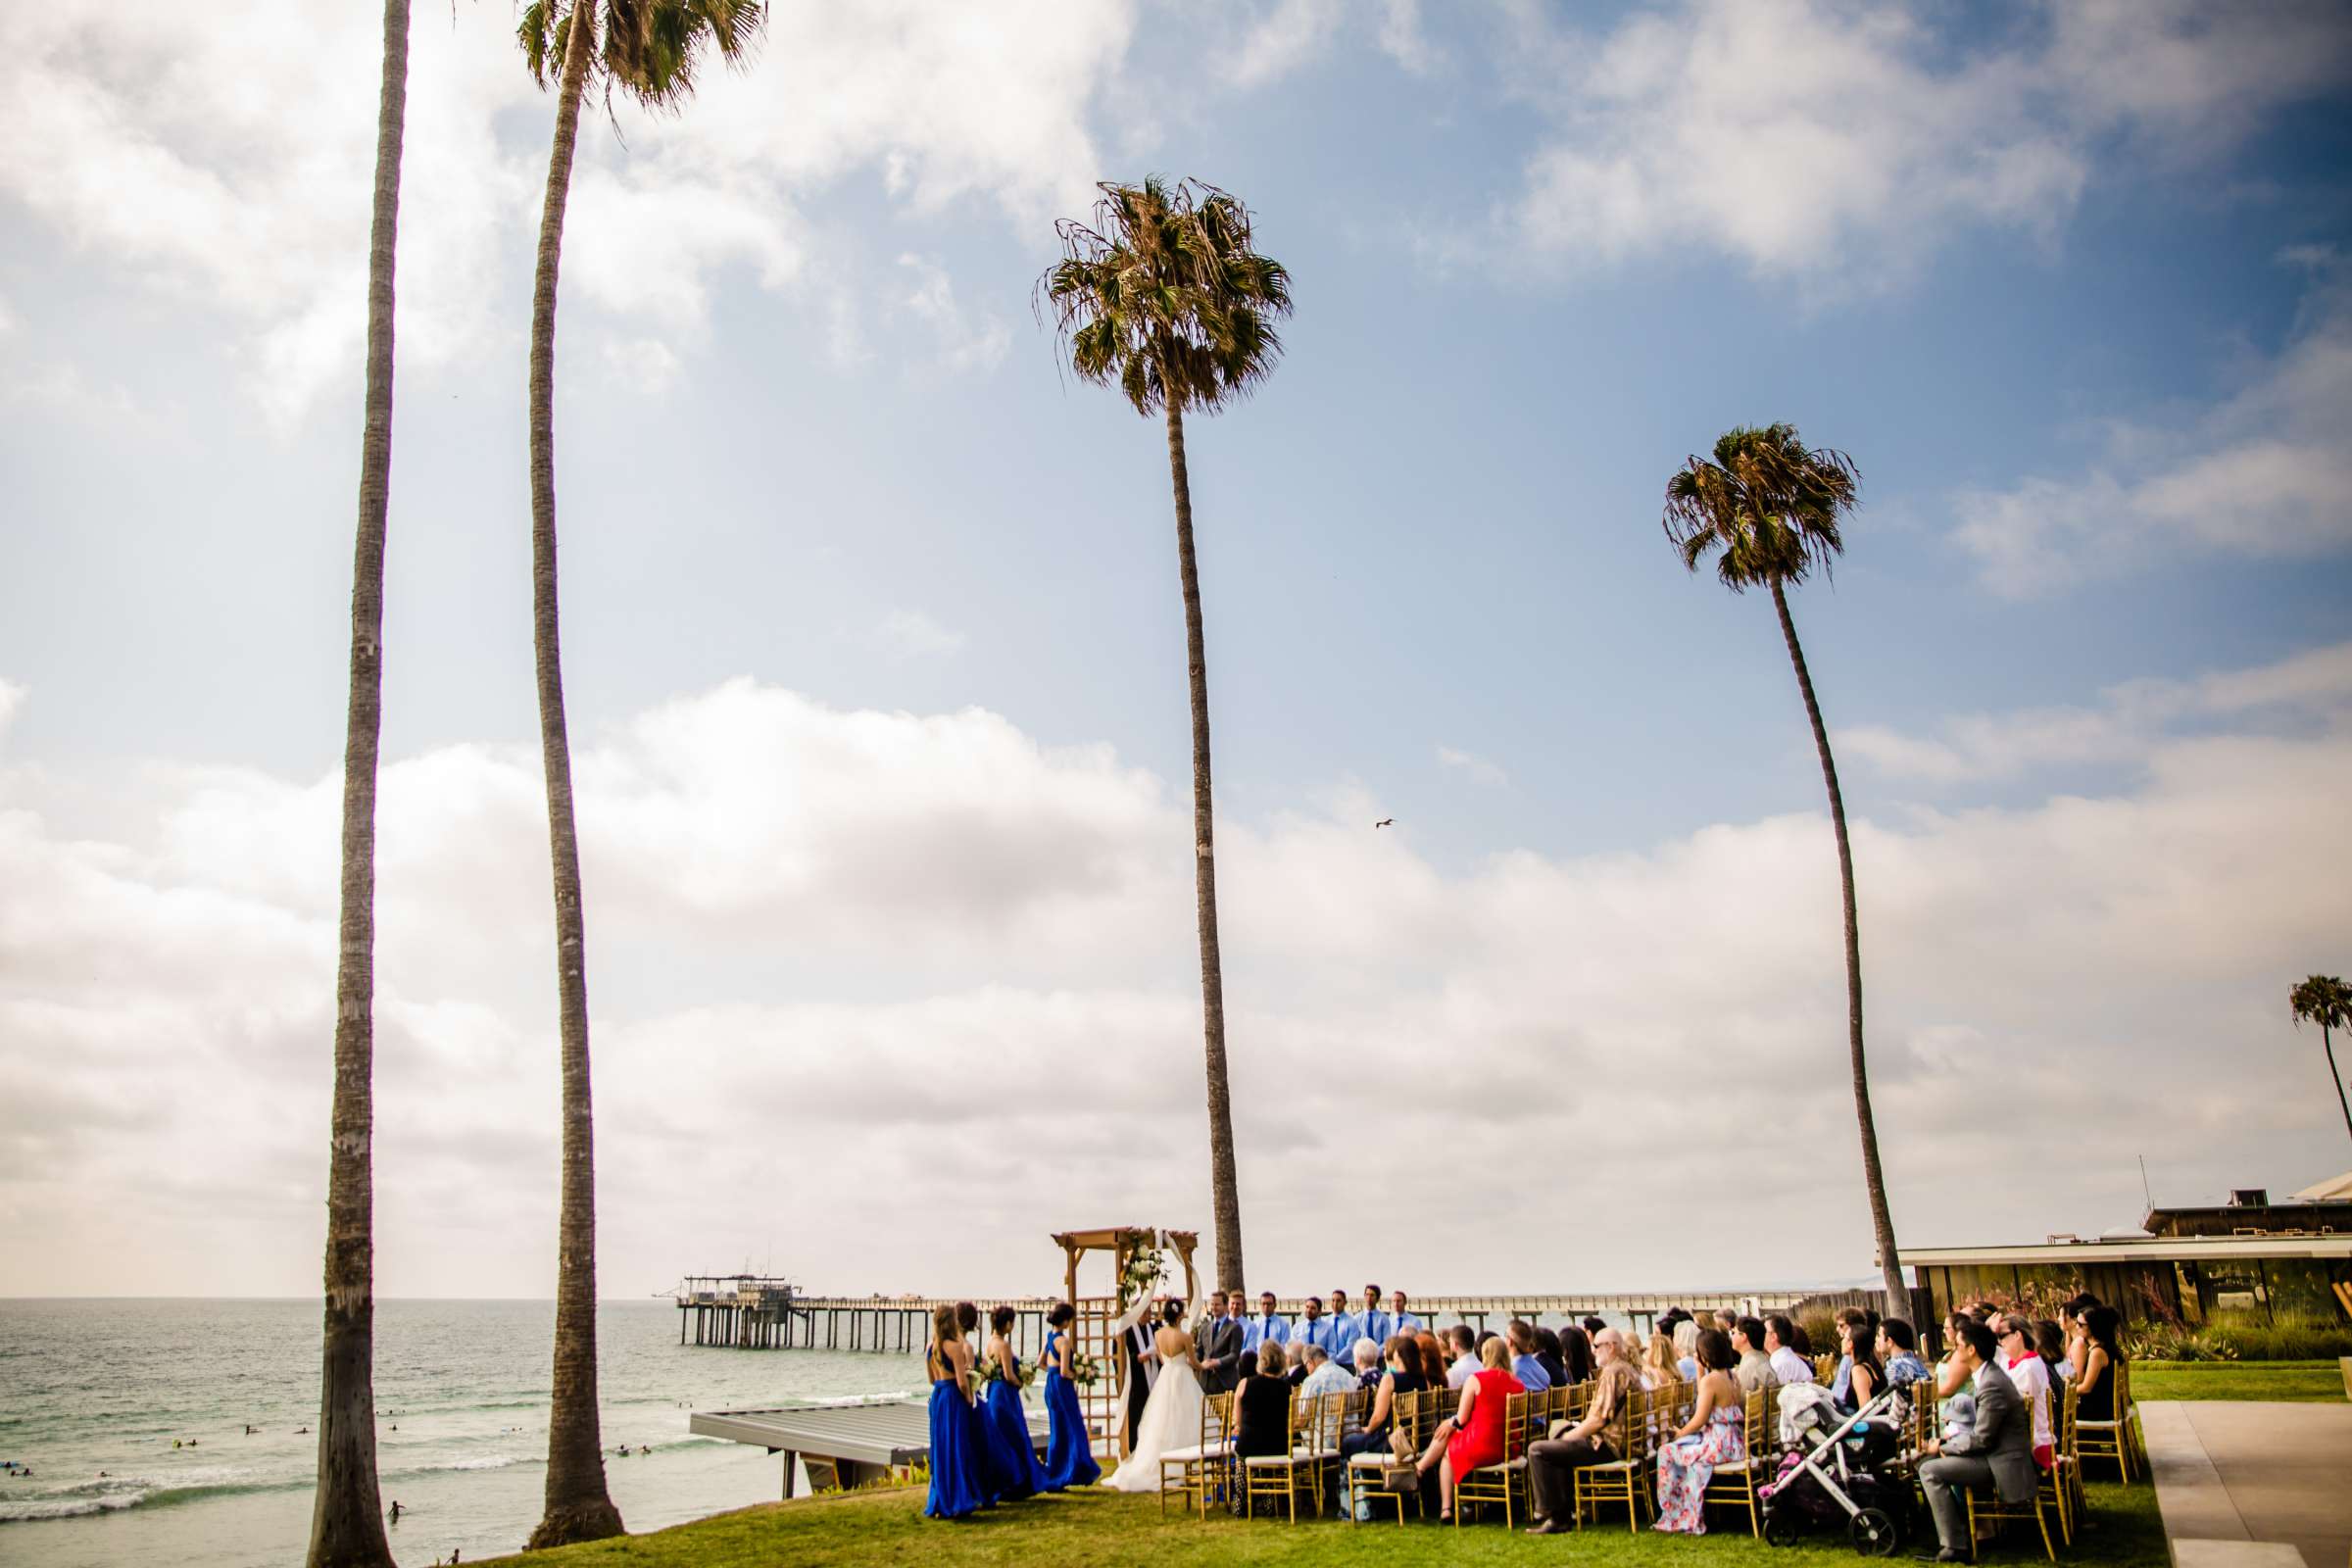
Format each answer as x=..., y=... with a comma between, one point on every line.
x=1090, y=1333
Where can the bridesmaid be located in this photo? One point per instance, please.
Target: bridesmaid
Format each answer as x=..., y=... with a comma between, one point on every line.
x=1007, y=1422
x=996, y=1481
x=954, y=1479
x=1069, y=1452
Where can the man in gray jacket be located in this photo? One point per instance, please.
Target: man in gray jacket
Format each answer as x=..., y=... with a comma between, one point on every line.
x=1999, y=1448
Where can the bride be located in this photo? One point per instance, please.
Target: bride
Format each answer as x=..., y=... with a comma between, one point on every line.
x=1171, y=1417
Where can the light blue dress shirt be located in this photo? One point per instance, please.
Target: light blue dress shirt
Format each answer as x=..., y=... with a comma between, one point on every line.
x=1317, y=1332
x=1375, y=1326
x=1531, y=1374
x=1344, y=1335
x=1256, y=1331
x=1406, y=1323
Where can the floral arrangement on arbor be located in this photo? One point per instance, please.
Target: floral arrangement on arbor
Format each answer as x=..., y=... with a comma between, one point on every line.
x=1144, y=1270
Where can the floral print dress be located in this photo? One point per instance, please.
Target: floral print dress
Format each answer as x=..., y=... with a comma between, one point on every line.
x=1687, y=1464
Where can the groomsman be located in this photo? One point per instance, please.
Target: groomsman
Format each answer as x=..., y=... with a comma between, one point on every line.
x=1372, y=1323
x=1313, y=1327
x=1220, y=1343
x=1265, y=1326
x=1406, y=1322
x=1343, y=1330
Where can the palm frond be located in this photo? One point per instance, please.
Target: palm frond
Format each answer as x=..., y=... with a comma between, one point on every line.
x=1160, y=295
x=1767, y=507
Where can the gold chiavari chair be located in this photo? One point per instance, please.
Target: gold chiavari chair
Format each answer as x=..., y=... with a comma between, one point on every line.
x=1734, y=1485
x=1625, y=1478
x=2112, y=1439
x=1987, y=1509
x=1284, y=1475
x=1506, y=1477
x=1378, y=1474
x=1336, y=1415
x=1194, y=1470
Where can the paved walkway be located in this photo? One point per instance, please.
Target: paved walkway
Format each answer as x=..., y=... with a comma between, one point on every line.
x=2252, y=1484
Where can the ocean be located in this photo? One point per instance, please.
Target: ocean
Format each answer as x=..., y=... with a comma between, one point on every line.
x=460, y=1397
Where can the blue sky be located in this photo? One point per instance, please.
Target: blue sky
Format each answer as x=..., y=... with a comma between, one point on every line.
x=2068, y=284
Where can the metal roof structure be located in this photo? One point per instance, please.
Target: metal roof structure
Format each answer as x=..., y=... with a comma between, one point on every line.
x=2138, y=1250
x=879, y=1432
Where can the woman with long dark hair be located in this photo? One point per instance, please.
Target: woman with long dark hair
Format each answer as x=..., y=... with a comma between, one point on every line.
x=2102, y=1354
x=1070, y=1450
x=1005, y=1424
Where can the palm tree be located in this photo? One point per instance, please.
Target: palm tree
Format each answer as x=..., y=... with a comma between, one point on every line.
x=1162, y=297
x=2326, y=1001
x=347, y=1528
x=1770, y=509
x=647, y=49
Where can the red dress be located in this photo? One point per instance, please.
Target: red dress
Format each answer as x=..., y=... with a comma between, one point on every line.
x=1481, y=1442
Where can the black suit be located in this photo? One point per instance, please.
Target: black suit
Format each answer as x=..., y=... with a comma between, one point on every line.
x=1220, y=1350
x=1136, y=1342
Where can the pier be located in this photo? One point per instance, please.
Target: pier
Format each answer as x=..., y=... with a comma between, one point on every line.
x=747, y=1312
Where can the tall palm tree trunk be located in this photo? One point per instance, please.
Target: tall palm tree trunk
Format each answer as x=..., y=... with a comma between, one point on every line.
x=577, y=1505
x=2335, y=1077
x=1898, y=1300
x=347, y=1526
x=1224, y=1185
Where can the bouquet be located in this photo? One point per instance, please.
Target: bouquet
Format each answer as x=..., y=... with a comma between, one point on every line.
x=1083, y=1369
x=1144, y=1270
x=986, y=1371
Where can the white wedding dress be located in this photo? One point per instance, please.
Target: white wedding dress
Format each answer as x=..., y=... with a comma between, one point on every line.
x=1171, y=1420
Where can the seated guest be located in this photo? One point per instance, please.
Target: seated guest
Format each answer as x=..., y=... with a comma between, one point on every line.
x=1473, y=1437
x=1865, y=1378
x=1755, y=1370
x=1898, y=1353
x=1997, y=1447
x=1594, y=1326
x=1576, y=1355
x=1547, y=1352
x=1401, y=1375
x=1526, y=1367
x=1685, y=1349
x=2070, y=1323
x=1324, y=1375
x=1404, y=1322
x=1951, y=1374
x=1789, y=1363
x=1295, y=1372
x=1433, y=1359
x=1854, y=1327
x=1266, y=1327
x=2097, y=1355
x=1657, y=1362
x=2013, y=1333
x=1464, y=1340
x=2049, y=1342
x=1367, y=1365
x=1715, y=1434
x=1800, y=1338
x=1261, y=1411
x=1551, y=1464
x=1727, y=1320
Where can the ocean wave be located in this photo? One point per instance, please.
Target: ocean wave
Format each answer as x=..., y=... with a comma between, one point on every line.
x=486, y=1461
x=118, y=1493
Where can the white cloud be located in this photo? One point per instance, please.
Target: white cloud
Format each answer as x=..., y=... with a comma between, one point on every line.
x=967, y=339
x=1839, y=141
x=2123, y=728
x=227, y=161
x=646, y=364
x=1478, y=767
x=1282, y=40
x=912, y=634
x=2266, y=472
x=846, y=932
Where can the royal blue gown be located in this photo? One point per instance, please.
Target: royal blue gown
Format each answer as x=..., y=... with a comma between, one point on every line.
x=956, y=1488
x=1013, y=1469
x=1069, y=1453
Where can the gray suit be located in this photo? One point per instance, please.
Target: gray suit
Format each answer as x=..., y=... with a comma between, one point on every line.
x=1999, y=1449
x=1220, y=1350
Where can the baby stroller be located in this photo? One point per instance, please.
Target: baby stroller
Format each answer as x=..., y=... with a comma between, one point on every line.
x=1838, y=1470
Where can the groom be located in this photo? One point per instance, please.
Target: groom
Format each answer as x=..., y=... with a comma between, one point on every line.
x=1219, y=1342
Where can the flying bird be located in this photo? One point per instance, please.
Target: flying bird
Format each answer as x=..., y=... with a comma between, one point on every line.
x=1386, y=822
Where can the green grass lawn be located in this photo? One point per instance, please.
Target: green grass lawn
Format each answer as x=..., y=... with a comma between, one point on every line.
x=2300, y=1380
x=1106, y=1526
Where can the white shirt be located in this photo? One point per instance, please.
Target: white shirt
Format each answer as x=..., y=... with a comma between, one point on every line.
x=1791, y=1367
x=2032, y=1379
x=1465, y=1367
